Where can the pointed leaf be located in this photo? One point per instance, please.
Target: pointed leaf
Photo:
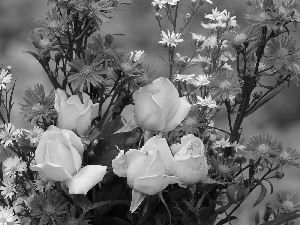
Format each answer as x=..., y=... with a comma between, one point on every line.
x=226, y=220
x=262, y=195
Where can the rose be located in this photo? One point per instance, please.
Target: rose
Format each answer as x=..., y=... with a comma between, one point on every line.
x=148, y=170
x=158, y=106
x=190, y=160
x=73, y=114
x=59, y=157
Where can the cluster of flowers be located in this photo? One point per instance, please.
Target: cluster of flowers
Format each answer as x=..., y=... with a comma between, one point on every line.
x=80, y=146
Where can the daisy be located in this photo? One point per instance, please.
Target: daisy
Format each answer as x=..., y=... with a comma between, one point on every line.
x=170, y=39
x=8, y=134
x=13, y=165
x=159, y=3
x=137, y=56
x=285, y=202
x=222, y=143
x=8, y=189
x=37, y=107
x=200, y=80
x=89, y=71
x=35, y=134
x=183, y=77
x=7, y=216
x=207, y=101
x=172, y=2
x=5, y=78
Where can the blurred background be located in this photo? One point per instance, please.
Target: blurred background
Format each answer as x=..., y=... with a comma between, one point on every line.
x=280, y=117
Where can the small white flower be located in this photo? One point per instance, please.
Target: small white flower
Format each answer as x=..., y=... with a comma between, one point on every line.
x=5, y=78
x=159, y=3
x=209, y=1
x=215, y=15
x=35, y=135
x=8, y=134
x=170, y=39
x=222, y=143
x=227, y=67
x=7, y=216
x=210, y=42
x=198, y=37
x=13, y=165
x=207, y=101
x=172, y=2
x=138, y=56
x=200, y=80
x=183, y=77
x=8, y=189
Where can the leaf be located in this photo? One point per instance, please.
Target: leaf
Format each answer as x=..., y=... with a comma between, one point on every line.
x=284, y=218
x=86, y=204
x=262, y=195
x=271, y=185
x=223, y=208
x=112, y=220
x=111, y=127
x=226, y=220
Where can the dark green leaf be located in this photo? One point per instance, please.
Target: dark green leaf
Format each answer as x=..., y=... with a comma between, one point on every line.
x=262, y=195
x=112, y=220
x=256, y=219
x=226, y=220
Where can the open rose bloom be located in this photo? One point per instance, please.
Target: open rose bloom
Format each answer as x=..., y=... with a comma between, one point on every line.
x=158, y=107
x=154, y=167
x=74, y=114
x=59, y=157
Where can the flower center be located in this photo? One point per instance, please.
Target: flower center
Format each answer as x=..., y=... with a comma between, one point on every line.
x=282, y=53
x=262, y=17
x=37, y=108
x=240, y=37
x=72, y=221
x=86, y=71
x=225, y=85
x=49, y=209
x=53, y=24
x=126, y=66
x=191, y=121
x=284, y=155
x=287, y=205
x=44, y=43
x=224, y=169
x=263, y=148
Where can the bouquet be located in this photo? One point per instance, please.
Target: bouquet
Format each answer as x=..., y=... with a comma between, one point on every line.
x=116, y=143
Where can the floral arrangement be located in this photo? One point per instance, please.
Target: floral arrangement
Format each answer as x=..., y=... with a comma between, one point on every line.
x=117, y=143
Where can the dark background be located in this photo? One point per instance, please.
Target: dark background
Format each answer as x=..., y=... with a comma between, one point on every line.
x=280, y=117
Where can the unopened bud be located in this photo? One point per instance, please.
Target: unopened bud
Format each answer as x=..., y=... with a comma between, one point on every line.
x=158, y=17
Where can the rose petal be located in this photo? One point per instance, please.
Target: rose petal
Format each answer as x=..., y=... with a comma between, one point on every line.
x=84, y=119
x=52, y=171
x=160, y=145
x=153, y=184
x=167, y=99
x=184, y=140
x=119, y=164
x=75, y=100
x=67, y=115
x=181, y=113
x=138, y=163
x=41, y=151
x=148, y=113
x=68, y=158
x=85, y=179
x=60, y=95
x=192, y=170
x=74, y=140
x=136, y=199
